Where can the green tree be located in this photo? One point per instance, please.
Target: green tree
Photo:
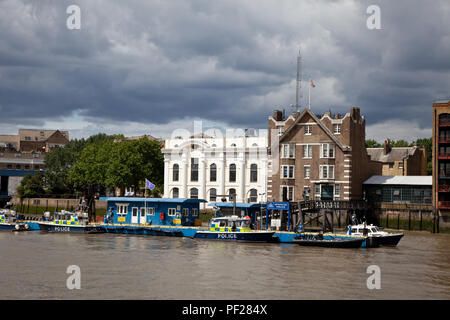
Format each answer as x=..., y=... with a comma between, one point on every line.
x=59, y=161
x=31, y=185
x=371, y=143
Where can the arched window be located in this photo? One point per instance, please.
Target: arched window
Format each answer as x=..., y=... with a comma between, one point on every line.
x=253, y=195
x=213, y=172
x=175, y=172
x=175, y=193
x=194, y=193
x=212, y=194
x=253, y=173
x=231, y=193
x=232, y=176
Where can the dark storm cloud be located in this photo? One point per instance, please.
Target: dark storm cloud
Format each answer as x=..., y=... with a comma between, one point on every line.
x=229, y=61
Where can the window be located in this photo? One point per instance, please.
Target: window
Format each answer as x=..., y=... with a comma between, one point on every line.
x=253, y=173
x=212, y=194
x=317, y=189
x=327, y=150
x=337, y=128
x=391, y=166
x=280, y=130
x=253, y=195
x=232, y=193
x=307, y=151
x=175, y=193
x=400, y=165
x=308, y=129
x=307, y=170
x=194, y=212
x=306, y=192
x=287, y=193
x=150, y=211
x=122, y=209
x=185, y=212
x=194, y=193
x=171, y=212
x=175, y=172
x=232, y=176
x=337, y=190
x=326, y=172
x=288, y=150
x=287, y=172
x=194, y=169
x=213, y=172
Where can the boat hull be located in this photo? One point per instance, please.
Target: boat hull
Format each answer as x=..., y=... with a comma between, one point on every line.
x=258, y=236
x=388, y=241
x=335, y=243
x=13, y=227
x=61, y=228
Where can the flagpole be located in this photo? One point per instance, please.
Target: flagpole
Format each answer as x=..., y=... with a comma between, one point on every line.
x=309, y=96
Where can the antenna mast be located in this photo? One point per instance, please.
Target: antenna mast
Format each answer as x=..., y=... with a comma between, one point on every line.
x=299, y=81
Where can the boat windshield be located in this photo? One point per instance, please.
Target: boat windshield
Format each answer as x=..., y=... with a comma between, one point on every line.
x=374, y=229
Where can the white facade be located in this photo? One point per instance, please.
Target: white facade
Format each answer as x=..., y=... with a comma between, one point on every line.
x=209, y=167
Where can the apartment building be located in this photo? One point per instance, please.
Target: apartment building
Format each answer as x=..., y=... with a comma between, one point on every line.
x=441, y=157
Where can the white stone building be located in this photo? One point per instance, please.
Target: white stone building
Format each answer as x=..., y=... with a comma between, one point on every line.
x=208, y=166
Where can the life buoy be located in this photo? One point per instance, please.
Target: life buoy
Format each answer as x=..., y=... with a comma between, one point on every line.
x=247, y=217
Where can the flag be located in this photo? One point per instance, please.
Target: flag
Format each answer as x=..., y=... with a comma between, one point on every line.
x=149, y=185
x=312, y=83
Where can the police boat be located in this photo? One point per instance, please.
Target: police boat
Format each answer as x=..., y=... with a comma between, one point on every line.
x=233, y=228
x=317, y=240
x=381, y=238
x=66, y=221
x=8, y=221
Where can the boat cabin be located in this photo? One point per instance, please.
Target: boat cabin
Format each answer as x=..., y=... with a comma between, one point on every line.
x=67, y=217
x=152, y=211
x=252, y=210
x=7, y=216
x=230, y=224
x=362, y=229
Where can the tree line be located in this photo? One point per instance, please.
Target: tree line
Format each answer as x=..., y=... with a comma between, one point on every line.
x=97, y=164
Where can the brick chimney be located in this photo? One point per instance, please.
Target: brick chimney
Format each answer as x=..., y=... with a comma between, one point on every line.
x=278, y=115
x=387, y=148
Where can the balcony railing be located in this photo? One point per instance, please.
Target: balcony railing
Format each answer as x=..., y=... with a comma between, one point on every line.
x=444, y=140
x=444, y=122
x=444, y=204
x=444, y=155
x=443, y=188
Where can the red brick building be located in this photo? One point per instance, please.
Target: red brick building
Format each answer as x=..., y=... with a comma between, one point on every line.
x=320, y=157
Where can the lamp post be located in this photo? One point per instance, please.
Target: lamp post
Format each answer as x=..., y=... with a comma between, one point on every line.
x=260, y=213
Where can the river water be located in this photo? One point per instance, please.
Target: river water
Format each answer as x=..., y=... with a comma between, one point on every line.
x=33, y=265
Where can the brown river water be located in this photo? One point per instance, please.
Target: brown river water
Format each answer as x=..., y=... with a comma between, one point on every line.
x=33, y=265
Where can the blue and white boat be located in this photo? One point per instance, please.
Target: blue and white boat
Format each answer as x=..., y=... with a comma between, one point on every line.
x=66, y=221
x=8, y=221
x=233, y=228
x=374, y=234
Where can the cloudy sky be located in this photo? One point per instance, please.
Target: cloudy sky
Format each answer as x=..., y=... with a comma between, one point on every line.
x=149, y=67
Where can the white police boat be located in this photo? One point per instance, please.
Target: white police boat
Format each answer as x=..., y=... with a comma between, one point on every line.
x=8, y=221
x=233, y=228
x=66, y=221
x=381, y=238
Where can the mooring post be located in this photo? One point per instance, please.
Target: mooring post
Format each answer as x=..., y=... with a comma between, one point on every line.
x=387, y=220
x=420, y=212
x=398, y=221
x=409, y=220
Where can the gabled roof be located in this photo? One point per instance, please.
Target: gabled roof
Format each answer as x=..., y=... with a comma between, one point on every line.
x=321, y=125
x=396, y=154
